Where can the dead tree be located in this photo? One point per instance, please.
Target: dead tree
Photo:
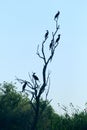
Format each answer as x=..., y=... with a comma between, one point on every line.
x=34, y=86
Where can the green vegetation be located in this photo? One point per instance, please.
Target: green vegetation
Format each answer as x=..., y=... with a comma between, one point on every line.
x=16, y=113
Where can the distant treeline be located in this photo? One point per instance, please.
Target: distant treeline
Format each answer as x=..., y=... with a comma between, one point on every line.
x=16, y=113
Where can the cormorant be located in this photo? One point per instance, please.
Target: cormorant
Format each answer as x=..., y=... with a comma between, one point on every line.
x=35, y=77
x=56, y=16
x=51, y=44
x=24, y=85
x=46, y=34
x=58, y=38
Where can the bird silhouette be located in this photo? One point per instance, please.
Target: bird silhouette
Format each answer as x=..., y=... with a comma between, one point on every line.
x=56, y=16
x=24, y=85
x=46, y=34
x=51, y=44
x=58, y=38
x=35, y=77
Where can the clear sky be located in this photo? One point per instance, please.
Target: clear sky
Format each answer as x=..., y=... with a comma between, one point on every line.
x=22, y=27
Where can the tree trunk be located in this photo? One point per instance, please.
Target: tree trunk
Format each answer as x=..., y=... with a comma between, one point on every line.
x=35, y=120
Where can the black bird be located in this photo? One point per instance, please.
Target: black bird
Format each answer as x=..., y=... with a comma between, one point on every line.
x=46, y=34
x=51, y=44
x=35, y=77
x=24, y=85
x=58, y=38
x=56, y=16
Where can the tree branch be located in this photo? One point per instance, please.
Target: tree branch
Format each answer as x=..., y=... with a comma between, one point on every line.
x=35, y=89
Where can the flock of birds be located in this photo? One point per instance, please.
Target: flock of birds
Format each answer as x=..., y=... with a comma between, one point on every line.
x=35, y=77
x=47, y=32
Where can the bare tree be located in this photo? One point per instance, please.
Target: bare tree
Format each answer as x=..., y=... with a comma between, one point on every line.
x=35, y=88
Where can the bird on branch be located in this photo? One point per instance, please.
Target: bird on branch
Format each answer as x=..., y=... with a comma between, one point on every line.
x=57, y=15
x=35, y=77
x=24, y=85
x=46, y=34
x=57, y=40
x=51, y=44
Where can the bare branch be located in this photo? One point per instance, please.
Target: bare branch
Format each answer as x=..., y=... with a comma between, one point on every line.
x=48, y=77
x=48, y=89
x=29, y=76
x=32, y=80
x=39, y=53
x=56, y=44
x=43, y=52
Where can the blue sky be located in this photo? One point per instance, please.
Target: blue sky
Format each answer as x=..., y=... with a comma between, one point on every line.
x=22, y=27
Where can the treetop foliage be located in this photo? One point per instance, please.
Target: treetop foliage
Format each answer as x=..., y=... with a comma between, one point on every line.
x=17, y=114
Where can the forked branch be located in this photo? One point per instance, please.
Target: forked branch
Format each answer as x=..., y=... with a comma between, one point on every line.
x=35, y=88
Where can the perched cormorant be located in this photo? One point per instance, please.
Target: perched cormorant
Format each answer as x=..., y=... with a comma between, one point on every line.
x=56, y=16
x=51, y=44
x=35, y=77
x=58, y=38
x=46, y=34
x=24, y=85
